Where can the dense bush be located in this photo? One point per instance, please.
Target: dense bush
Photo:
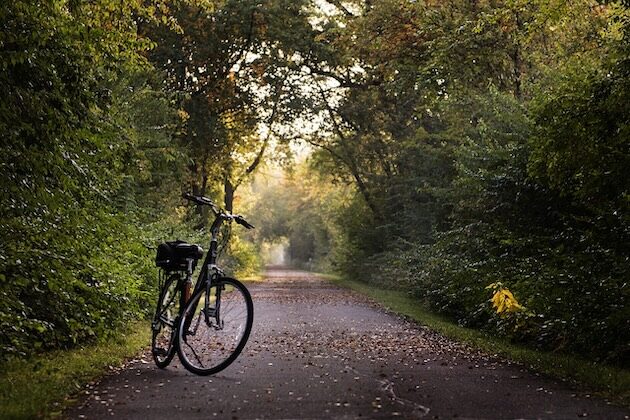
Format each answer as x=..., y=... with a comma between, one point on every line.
x=73, y=265
x=494, y=162
x=563, y=257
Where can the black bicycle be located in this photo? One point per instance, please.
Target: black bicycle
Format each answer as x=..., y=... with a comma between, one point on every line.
x=208, y=325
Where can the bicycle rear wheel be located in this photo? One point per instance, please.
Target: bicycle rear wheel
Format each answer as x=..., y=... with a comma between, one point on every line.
x=215, y=327
x=165, y=322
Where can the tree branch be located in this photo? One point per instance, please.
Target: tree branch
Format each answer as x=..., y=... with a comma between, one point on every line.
x=341, y=7
x=261, y=153
x=350, y=162
x=343, y=82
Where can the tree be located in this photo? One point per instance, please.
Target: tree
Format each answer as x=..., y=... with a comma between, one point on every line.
x=64, y=159
x=229, y=61
x=479, y=128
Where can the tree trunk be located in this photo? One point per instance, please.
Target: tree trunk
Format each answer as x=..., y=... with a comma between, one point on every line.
x=228, y=189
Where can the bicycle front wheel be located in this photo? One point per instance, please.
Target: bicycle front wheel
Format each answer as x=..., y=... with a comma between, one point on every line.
x=215, y=326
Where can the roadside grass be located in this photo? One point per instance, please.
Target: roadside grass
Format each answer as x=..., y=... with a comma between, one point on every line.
x=606, y=381
x=40, y=386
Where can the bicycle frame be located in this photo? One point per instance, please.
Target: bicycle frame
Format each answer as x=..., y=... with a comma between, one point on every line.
x=209, y=273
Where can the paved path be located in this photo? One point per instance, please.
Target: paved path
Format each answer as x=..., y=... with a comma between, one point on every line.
x=317, y=351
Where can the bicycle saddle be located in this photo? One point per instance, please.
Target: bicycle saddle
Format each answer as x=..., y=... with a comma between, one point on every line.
x=172, y=255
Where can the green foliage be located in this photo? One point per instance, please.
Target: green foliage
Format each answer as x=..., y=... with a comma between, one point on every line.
x=507, y=227
x=488, y=142
x=72, y=263
x=581, y=147
x=459, y=144
x=242, y=258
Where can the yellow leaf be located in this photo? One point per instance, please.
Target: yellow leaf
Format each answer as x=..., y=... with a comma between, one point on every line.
x=503, y=301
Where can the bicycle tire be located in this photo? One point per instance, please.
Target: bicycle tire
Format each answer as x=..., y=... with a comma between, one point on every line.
x=164, y=322
x=205, y=348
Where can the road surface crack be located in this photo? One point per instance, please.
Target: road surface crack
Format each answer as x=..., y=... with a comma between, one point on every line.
x=417, y=410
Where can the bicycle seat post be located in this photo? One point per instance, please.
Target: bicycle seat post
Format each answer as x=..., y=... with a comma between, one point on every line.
x=188, y=282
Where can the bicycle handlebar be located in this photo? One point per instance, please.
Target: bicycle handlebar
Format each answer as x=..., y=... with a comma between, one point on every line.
x=204, y=201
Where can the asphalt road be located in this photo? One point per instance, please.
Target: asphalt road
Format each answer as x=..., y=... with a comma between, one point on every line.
x=318, y=351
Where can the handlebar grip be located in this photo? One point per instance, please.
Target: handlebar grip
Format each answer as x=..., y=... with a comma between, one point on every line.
x=241, y=221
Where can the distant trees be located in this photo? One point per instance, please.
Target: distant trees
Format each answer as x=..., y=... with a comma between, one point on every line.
x=301, y=208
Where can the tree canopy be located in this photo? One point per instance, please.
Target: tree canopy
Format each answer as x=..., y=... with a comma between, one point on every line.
x=465, y=151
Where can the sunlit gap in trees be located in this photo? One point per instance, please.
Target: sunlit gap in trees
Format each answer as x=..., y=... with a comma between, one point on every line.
x=293, y=208
x=307, y=125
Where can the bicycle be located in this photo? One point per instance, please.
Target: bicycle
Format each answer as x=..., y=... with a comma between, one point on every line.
x=207, y=326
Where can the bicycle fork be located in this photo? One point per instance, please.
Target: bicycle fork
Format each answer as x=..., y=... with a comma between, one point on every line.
x=213, y=312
